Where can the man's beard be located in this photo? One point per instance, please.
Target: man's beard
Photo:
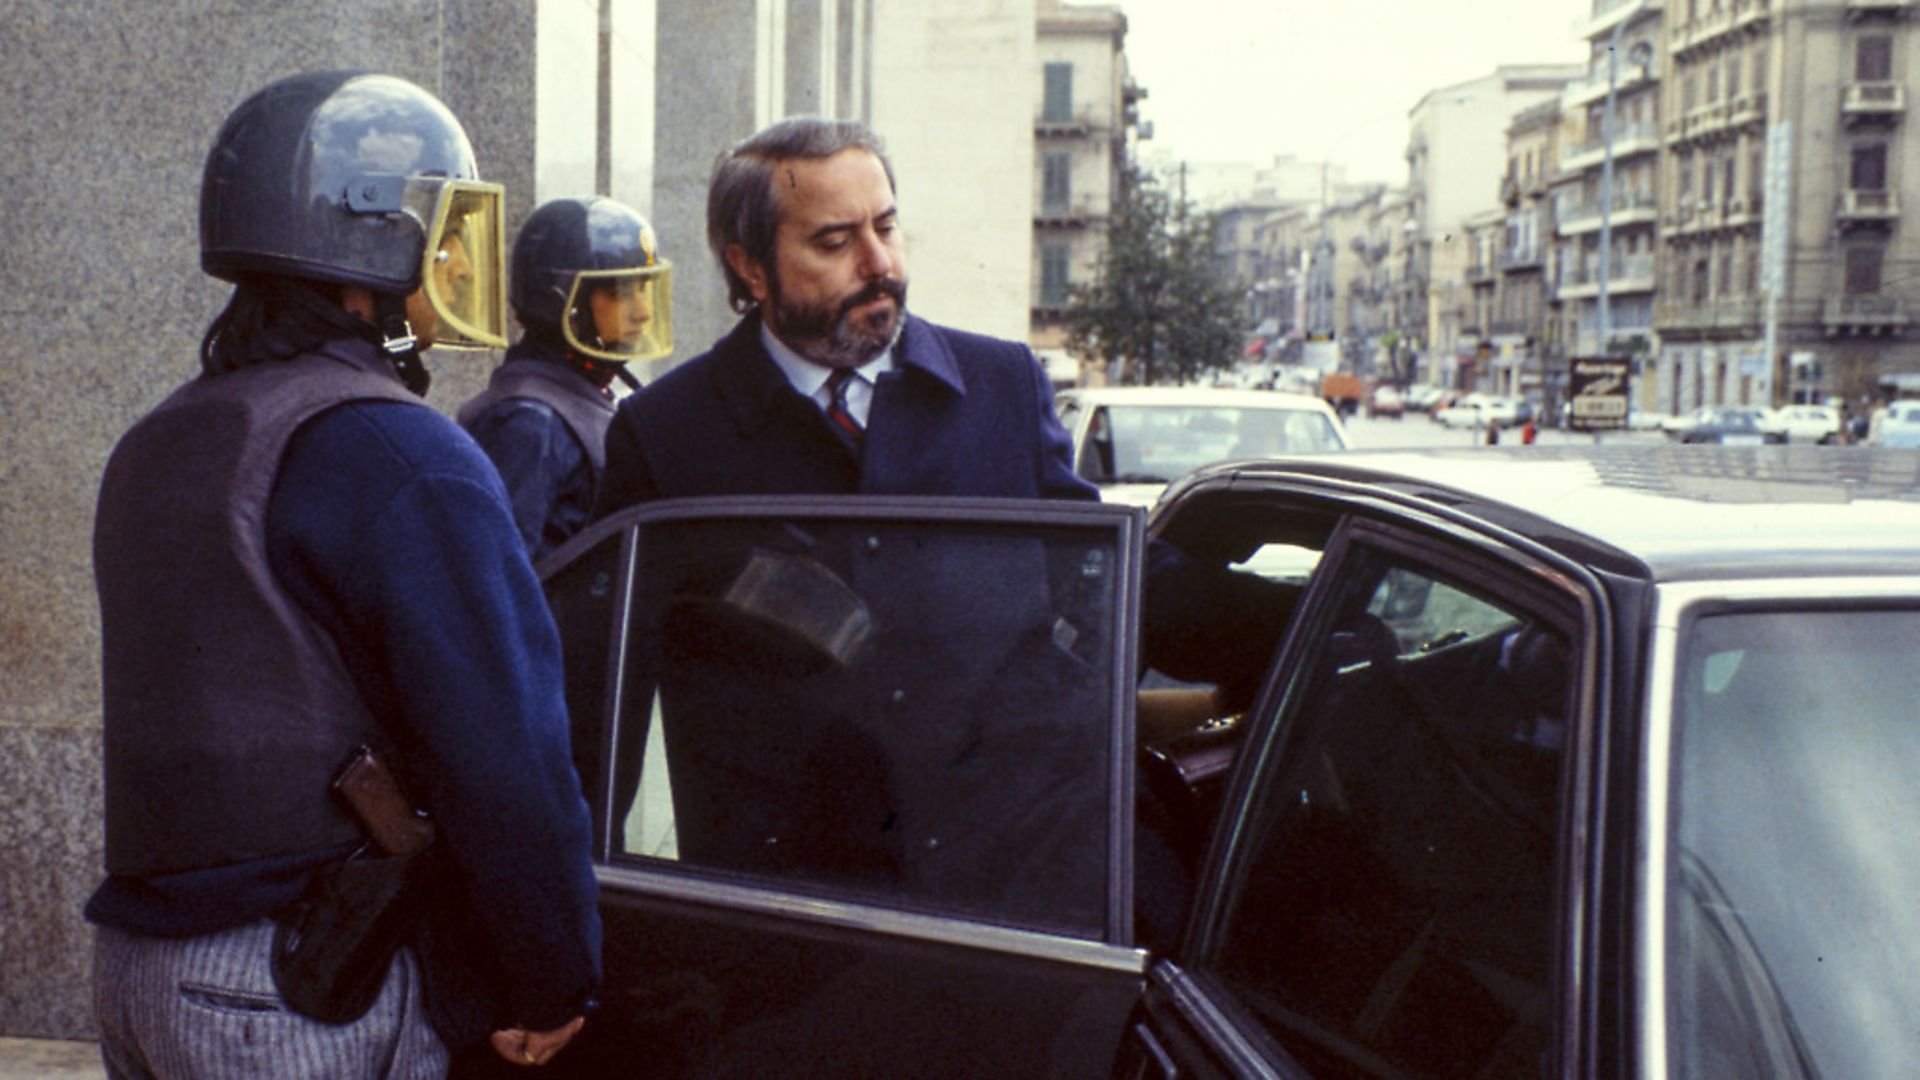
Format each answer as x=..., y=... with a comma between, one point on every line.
x=831, y=337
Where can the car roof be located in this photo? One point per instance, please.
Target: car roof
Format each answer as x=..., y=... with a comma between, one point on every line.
x=1153, y=396
x=1671, y=512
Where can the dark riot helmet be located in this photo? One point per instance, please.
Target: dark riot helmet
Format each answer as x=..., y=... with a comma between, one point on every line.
x=589, y=271
x=363, y=180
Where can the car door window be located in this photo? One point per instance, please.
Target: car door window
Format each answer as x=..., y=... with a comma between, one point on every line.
x=874, y=709
x=1389, y=903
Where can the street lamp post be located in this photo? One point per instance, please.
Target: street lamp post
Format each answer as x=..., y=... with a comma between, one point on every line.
x=1641, y=53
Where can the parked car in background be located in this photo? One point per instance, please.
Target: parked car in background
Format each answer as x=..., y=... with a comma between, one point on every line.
x=1132, y=441
x=1421, y=397
x=1732, y=426
x=1898, y=425
x=1806, y=423
x=1386, y=400
x=1482, y=410
x=1577, y=761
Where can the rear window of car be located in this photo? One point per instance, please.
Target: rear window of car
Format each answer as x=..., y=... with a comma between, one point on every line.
x=1794, y=868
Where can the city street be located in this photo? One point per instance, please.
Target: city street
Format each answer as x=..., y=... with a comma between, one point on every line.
x=1419, y=431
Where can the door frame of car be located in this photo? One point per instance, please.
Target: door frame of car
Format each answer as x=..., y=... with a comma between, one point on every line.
x=1108, y=970
x=1184, y=1013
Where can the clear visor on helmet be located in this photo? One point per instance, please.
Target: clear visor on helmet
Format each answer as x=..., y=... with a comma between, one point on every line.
x=465, y=273
x=622, y=315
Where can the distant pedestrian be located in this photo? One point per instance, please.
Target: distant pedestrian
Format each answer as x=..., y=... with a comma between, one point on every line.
x=1528, y=432
x=1493, y=433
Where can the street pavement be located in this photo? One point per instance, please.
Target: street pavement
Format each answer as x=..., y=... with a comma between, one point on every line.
x=49, y=1059
x=1416, y=430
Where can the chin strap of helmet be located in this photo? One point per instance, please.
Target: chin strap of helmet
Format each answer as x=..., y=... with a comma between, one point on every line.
x=398, y=342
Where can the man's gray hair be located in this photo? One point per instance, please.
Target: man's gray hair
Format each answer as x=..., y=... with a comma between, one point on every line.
x=741, y=199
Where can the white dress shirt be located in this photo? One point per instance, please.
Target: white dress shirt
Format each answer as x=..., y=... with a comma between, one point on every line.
x=811, y=379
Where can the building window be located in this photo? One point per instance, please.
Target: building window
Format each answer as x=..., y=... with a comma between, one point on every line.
x=1727, y=179
x=1706, y=181
x=1701, y=282
x=1756, y=164
x=1863, y=268
x=1873, y=59
x=1053, y=275
x=1713, y=83
x=1868, y=169
x=1686, y=92
x=1058, y=104
x=1760, y=69
x=1056, y=183
x=1733, y=75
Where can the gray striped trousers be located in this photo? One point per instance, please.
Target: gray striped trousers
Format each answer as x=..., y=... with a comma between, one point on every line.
x=205, y=1007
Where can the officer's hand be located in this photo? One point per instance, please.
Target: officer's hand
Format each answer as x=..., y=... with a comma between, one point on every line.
x=523, y=1047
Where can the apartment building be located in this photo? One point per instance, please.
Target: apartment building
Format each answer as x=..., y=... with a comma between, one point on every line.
x=1789, y=151
x=1528, y=357
x=1607, y=226
x=1456, y=154
x=1276, y=296
x=1084, y=108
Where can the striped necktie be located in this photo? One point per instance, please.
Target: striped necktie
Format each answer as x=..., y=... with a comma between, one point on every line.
x=844, y=424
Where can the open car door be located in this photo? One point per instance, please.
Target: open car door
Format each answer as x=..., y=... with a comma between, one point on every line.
x=861, y=778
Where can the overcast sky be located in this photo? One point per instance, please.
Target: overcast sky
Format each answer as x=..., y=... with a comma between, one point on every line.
x=1247, y=80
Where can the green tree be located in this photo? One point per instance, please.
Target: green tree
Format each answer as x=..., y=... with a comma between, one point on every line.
x=1159, y=311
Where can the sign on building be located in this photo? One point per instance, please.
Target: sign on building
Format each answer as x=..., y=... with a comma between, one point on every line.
x=1597, y=393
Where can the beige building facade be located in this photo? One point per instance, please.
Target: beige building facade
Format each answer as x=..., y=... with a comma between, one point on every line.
x=1080, y=111
x=1456, y=155
x=1802, y=104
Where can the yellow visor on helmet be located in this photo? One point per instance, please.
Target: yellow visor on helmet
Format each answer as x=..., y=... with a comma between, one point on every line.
x=621, y=315
x=465, y=274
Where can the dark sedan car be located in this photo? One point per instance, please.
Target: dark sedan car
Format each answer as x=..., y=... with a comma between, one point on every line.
x=1733, y=426
x=1574, y=761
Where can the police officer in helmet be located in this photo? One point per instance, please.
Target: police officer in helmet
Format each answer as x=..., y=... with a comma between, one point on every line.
x=295, y=557
x=594, y=295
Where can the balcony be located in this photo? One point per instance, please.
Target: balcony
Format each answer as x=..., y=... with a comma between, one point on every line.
x=1628, y=140
x=1692, y=217
x=1873, y=103
x=1480, y=272
x=1084, y=120
x=1626, y=274
x=1710, y=28
x=1867, y=314
x=1867, y=9
x=1629, y=208
x=1522, y=259
x=1718, y=316
x=1080, y=210
x=1628, y=77
x=1867, y=208
x=1611, y=13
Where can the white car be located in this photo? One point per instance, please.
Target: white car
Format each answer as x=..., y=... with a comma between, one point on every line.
x=1897, y=425
x=1132, y=441
x=1479, y=410
x=1806, y=423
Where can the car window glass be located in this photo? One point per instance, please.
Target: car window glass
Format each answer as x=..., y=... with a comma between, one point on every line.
x=1161, y=443
x=911, y=714
x=1794, y=866
x=1390, y=909
x=583, y=594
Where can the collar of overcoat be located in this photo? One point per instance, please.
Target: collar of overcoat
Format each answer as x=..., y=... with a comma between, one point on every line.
x=750, y=382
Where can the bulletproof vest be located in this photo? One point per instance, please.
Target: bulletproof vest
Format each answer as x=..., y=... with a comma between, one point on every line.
x=580, y=405
x=226, y=709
